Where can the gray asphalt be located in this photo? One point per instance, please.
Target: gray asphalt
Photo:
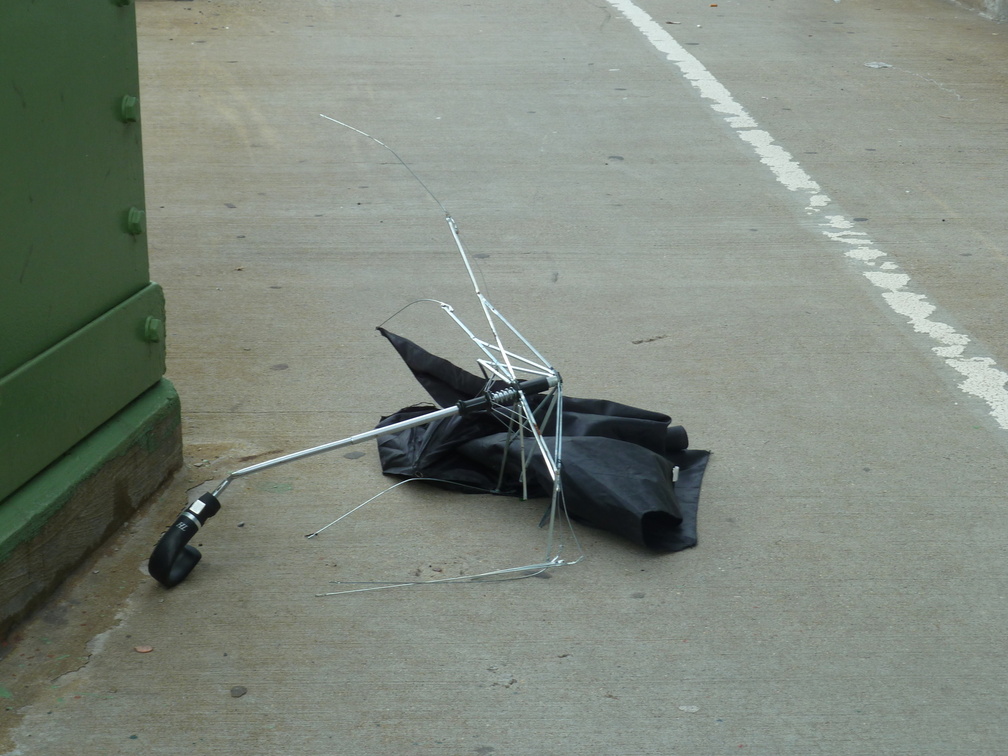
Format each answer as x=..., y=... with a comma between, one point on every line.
x=848, y=595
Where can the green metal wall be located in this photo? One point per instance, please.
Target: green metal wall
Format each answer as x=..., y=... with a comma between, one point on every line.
x=81, y=325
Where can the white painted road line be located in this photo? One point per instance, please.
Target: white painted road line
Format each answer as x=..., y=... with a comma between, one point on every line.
x=981, y=376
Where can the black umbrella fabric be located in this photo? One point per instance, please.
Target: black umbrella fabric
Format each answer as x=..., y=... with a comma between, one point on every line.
x=617, y=465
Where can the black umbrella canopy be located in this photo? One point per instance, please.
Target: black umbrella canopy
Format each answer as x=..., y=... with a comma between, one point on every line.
x=618, y=461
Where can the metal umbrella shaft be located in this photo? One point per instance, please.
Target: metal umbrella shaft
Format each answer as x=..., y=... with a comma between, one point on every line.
x=173, y=558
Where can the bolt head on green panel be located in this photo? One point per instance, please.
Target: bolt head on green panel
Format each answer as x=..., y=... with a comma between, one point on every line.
x=153, y=329
x=129, y=109
x=136, y=221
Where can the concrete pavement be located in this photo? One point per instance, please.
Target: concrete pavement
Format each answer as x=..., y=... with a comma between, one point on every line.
x=848, y=592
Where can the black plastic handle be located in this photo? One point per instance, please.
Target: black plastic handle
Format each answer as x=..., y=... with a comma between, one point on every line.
x=173, y=559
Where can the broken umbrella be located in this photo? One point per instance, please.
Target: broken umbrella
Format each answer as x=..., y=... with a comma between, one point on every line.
x=509, y=431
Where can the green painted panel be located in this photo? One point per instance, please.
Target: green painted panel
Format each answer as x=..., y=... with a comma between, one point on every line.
x=147, y=423
x=55, y=400
x=72, y=169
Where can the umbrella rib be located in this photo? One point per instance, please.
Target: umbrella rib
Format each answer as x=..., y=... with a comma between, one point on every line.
x=505, y=365
x=506, y=573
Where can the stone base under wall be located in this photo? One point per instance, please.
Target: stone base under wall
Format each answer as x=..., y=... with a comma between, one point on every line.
x=49, y=526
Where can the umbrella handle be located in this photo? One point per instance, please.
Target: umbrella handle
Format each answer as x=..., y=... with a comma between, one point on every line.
x=173, y=559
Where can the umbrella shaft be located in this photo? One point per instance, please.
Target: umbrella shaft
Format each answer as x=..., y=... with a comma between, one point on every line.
x=332, y=446
x=483, y=402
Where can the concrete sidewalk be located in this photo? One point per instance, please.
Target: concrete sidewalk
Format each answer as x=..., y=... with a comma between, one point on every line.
x=848, y=592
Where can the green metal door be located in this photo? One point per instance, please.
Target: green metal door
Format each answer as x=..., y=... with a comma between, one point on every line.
x=81, y=325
